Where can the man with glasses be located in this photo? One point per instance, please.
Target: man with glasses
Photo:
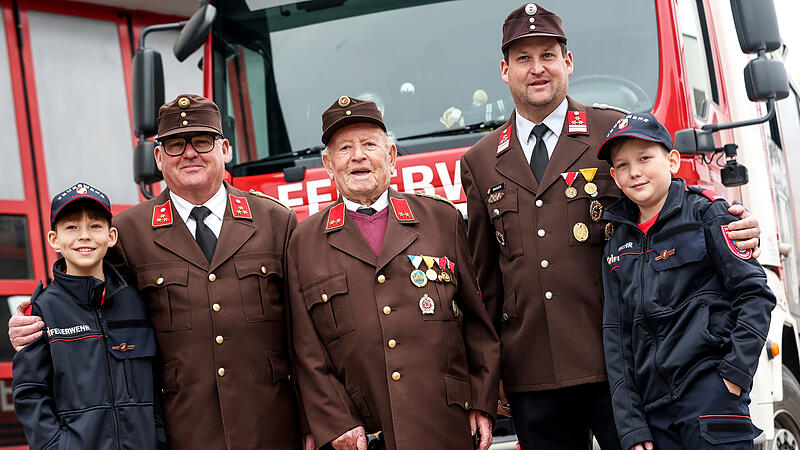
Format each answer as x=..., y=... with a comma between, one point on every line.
x=208, y=260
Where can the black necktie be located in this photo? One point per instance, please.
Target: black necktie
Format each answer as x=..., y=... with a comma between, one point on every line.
x=366, y=210
x=205, y=237
x=539, y=157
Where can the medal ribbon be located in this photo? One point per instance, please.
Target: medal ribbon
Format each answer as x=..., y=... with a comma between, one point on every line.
x=589, y=173
x=428, y=261
x=415, y=260
x=450, y=265
x=441, y=262
x=569, y=177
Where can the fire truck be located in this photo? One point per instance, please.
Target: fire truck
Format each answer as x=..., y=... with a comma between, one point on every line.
x=710, y=70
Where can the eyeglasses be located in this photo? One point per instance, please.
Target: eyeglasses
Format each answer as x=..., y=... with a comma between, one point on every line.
x=201, y=143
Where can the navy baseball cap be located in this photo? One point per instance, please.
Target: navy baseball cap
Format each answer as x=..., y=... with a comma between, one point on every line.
x=77, y=192
x=640, y=126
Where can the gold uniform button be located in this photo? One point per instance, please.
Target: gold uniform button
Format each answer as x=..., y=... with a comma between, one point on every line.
x=211, y=277
x=324, y=298
x=216, y=307
x=539, y=203
x=545, y=263
x=392, y=343
x=381, y=279
x=221, y=371
x=183, y=114
x=219, y=339
x=396, y=376
x=466, y=405
x=387, y=310
x=263, y=270
x=185, y=122
x=160, y=281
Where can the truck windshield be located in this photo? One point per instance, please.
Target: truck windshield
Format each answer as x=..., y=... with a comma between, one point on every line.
x=429, y=65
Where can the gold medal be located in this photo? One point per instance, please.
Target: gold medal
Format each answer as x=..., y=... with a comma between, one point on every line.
x=595, y=210
x=569, y=178
x=500, y=238
x=456, y=311
x=431, y=274
x=609, y=230
x=571, y=192
x=590, y=189
x=418, y=278
x=580, y=231
x=588, y=174
x=446, y=277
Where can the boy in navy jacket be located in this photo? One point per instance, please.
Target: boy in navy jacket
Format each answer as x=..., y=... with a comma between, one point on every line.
x=686, y=312
x=88, y=381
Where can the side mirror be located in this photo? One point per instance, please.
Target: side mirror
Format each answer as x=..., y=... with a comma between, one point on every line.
x=194, y=34
x=148, y=91
x=145, y=169
x=764, y=79
x=756, y=25
x=692, y=140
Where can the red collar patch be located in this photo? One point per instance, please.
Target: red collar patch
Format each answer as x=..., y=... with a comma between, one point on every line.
x=577, y=123
x=162, y=214
x=335, y=218
x=401, y=210
x=505, y=140
x=239, y=207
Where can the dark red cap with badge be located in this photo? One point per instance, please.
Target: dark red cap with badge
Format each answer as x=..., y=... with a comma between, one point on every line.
x=188, y=113
x=531, y=20
x=77, y=192
x=347, y=111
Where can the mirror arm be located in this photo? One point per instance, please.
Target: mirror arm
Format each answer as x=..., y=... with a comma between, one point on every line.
x=147, y=191
x=712, y=127
x=161, y=27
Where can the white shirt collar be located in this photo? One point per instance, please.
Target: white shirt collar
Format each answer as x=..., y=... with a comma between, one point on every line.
x=554, y=121
x=381, y=203
x=216, y=204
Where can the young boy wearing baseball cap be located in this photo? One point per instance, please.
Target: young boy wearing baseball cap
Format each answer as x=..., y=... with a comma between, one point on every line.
x=88, y=381
x=686, y=312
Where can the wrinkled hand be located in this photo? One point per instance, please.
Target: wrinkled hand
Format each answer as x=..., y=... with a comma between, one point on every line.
x=478, y=422
x=308, y=442
x=22, y=329
x=355, y=439
x=503, y=407
x=745, y=231
x=732, y=388
x=643, y=446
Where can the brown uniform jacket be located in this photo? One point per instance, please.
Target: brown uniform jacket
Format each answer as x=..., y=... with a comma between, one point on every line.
x=365, y=352
x=546, y=298
x=229, y=314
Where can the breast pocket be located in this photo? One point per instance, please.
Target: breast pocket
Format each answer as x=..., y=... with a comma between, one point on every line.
x=328, y=304
x=504, y=213
x=261, y=284
x=585, y=211
x=163, y=286
x=678, y=248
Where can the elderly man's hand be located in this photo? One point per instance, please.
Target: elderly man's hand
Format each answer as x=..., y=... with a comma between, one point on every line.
x=308, y=442
x=478, y=422
x=22, y=329
x=355, y=439
x=745, y=231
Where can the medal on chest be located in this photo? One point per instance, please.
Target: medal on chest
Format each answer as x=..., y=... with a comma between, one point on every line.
x=418, y=277
x=569, y=178
x=590, y=188
x=426, y=305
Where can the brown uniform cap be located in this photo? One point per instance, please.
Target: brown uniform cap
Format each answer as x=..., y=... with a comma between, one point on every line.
x=347, y=111
x=531, y=20
x=188, y=113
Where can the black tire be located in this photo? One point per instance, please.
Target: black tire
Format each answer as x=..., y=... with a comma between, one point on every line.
x=787, y=415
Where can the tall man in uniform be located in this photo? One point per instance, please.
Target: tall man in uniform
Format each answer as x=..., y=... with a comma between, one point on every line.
x=208, y=260
x=535, y=195
x=390, y=334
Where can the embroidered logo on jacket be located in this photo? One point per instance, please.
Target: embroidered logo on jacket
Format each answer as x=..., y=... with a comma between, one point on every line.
x=67, y=331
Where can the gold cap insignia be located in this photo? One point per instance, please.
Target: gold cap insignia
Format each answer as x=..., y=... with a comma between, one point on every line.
x=183, y=102
x=344, y=101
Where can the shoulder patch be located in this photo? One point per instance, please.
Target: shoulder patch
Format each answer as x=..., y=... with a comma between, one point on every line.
x=436, y=197
x=707, y=193
x=743, y=254
x=610, y=107
x=263, y=195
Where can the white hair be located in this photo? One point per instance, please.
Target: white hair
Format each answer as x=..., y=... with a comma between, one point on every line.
x=391, y=140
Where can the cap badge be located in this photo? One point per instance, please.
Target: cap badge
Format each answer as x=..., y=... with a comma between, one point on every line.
x=183, y=102
x=530, y=8
x=344, y=101
x=623, y=123
x=80, y=189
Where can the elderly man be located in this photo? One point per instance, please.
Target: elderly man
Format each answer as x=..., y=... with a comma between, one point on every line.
x=390, y=334
x=535, y=194
x=208, y=260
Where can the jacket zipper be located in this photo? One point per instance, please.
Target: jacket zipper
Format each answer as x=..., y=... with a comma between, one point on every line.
x=647, y=318
x=99, y=317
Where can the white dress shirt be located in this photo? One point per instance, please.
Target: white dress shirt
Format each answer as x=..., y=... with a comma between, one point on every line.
x=554, y=122
x=381, y=203
x=216, y=204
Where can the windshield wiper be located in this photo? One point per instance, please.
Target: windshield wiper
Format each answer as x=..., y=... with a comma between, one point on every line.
x=476, y=127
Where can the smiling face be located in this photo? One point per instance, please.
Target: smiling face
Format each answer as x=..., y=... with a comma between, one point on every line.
x=83, y=240
x=360, y=160
x=537, y=73
x=643, y=170
x=194, y=176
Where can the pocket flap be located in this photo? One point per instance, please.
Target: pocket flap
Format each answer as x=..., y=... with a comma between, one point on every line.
x=259, y=264
x=724, y=429
x=506, y=202
x=357, y=397
x=170, y=377
x=159, y=277
x=457, y=391
x=681, y=246
x=279, y=366
x=129, y=343
x=323, y=289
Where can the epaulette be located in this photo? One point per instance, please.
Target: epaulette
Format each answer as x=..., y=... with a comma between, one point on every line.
x=39, y=289
x=611, y=107
x=437, y=197
x=707, y=193
x=263, y=195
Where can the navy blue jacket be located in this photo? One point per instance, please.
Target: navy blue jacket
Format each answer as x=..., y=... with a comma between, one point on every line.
x=678, y=301
x=88, y=382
